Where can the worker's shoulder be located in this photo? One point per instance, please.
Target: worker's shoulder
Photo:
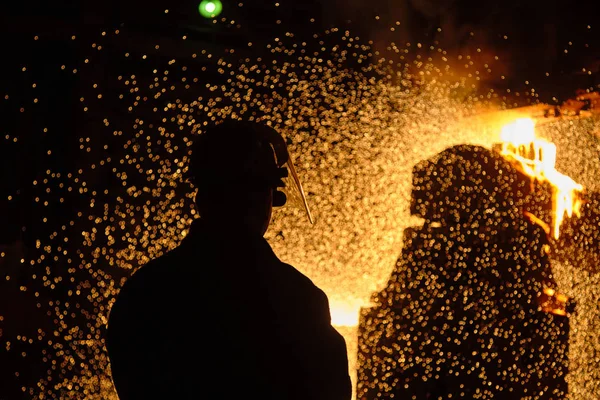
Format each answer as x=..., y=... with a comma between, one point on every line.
x=292, y=279
x=155, y=269
x=146, y=291
x=156, y=276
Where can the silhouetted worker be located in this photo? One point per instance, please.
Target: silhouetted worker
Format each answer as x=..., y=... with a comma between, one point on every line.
x=466, y=312
x=220, y=316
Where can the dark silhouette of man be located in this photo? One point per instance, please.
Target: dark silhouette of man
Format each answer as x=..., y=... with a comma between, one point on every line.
x=220, y=316
x=465, y=313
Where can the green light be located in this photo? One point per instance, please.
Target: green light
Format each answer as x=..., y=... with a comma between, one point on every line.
x=210, y=8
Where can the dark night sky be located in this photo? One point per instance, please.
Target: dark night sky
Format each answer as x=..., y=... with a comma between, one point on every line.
x=530, y=37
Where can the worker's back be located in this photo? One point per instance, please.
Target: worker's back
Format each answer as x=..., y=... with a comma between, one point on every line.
x=221, y=317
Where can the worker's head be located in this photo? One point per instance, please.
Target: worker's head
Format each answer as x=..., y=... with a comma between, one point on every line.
x=465, y=183
x=238, y=168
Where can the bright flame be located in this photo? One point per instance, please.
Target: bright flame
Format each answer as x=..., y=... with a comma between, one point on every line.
x=538, y=158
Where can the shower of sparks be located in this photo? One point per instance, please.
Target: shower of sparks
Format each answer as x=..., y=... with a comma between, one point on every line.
x=355, y=134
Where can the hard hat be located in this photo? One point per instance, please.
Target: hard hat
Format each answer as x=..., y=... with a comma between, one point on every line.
x=242, y=154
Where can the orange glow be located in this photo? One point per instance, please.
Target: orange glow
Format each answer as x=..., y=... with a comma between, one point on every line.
x=537, y=158
x=559, y=311
x=553, y=302
x=344, y=316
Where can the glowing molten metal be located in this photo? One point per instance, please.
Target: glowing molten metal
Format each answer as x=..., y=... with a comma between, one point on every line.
x=537, y=159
